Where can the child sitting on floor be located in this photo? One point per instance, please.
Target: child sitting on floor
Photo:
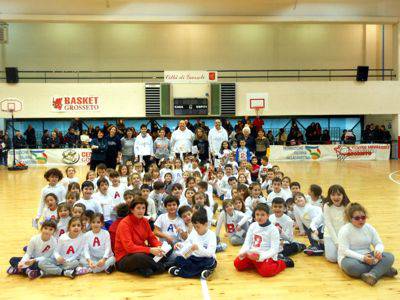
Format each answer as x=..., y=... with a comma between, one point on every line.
x=261, y=246
x=197, y=253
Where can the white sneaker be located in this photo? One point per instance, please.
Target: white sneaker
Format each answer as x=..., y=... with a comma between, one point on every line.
x=82, y=270
x=206, y=274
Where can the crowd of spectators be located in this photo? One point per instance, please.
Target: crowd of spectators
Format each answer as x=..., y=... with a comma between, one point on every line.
x=376, y=134
x=80, y=134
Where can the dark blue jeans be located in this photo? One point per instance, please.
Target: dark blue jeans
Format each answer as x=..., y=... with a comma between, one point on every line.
x=15, y=260
x=193, y=265
x=313, y=242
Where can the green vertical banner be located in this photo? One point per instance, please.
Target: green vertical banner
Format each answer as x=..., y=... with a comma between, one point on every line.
x=165, y=99
x=215, y=99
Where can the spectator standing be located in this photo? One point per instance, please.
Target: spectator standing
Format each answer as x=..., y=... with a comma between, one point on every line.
x=5, y=146
x=216, y=136
x=77, y=124
x=127, y=146
x=30, y=136
x=19, y=141
x=250, y=141
x=45, y=139
x=282, y=137
x=121, y=129
x=270, y=137
x=71, y=139
x=258, y=123
x=54, y=141
x=182, y=140
x=99, y=147
x=325, y=137
x=162, y=146
x=144, y=151
x=113, y=147
x=60, y=136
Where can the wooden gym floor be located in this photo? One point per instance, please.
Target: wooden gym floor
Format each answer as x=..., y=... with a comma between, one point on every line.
x=312, y=277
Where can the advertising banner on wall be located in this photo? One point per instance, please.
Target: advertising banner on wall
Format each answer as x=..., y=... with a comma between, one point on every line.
x=50, y=157
x=190, y=76
x=75, y=103
x=78, y=156
x=330, y=152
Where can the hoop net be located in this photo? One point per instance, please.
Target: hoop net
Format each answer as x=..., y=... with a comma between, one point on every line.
x=11, y=105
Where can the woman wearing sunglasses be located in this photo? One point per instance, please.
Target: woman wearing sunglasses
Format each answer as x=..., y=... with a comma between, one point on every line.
x=355, y=256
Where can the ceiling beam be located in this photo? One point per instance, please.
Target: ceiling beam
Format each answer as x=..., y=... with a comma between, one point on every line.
x=13, y=18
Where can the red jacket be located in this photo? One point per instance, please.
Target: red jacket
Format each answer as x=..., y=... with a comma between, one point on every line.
x=134, y=236
x=113, y=231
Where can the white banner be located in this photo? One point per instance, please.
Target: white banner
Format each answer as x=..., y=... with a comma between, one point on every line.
x=48, y=157
x=190, y=76
x=330, y=152
x=75, y=103
x=79, y=156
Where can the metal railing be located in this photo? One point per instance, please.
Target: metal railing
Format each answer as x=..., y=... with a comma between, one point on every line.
x=157, y=76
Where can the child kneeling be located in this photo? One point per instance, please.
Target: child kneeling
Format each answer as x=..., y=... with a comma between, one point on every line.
x=261, y=246
x=196, y=256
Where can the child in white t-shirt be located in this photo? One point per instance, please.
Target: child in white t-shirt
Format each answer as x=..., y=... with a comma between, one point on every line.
x=168, y=226
x=230, y=218
x=309, y=218
x=276, y=191
x=261, y=246
x=104, y=199
x=64, y=215
x=116, y=189
x=97, y=253
x=67, y=253
x=315, y=195
x=285, y=226
x=41, y=247
x=70, y=172
x=197, y=253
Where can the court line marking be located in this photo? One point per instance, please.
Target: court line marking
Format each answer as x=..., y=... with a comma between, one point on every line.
x=391, y=178
x=204, y=288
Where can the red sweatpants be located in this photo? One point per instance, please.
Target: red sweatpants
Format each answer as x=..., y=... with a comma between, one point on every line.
x=266, y=268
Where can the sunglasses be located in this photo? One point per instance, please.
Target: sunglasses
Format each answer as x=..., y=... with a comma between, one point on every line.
x=358, y=218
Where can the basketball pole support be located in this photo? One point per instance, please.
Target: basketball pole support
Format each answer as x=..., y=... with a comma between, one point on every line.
x=14, y=167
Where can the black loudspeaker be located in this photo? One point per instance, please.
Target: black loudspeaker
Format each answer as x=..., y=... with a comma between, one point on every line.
x=362, y=73
x=12, y=75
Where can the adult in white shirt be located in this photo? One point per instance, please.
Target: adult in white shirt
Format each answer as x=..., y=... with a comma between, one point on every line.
x=355, y=257
x=216, y=136
x=182, y=140
x=143, y=148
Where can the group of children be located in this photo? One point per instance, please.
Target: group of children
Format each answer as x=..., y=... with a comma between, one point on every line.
x=259, y=207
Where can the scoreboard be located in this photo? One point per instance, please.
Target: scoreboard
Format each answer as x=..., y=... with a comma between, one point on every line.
x=190, y=106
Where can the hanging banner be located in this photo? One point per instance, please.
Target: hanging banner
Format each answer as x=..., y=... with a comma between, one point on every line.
x=190, y=76
x=48, y=157
x=330, y=152
x=75, y=103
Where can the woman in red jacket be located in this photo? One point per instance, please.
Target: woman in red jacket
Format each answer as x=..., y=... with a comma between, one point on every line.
x=135, y=243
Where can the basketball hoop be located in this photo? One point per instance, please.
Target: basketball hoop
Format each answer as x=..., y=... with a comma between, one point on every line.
x=11, y=105
x=257, y=104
